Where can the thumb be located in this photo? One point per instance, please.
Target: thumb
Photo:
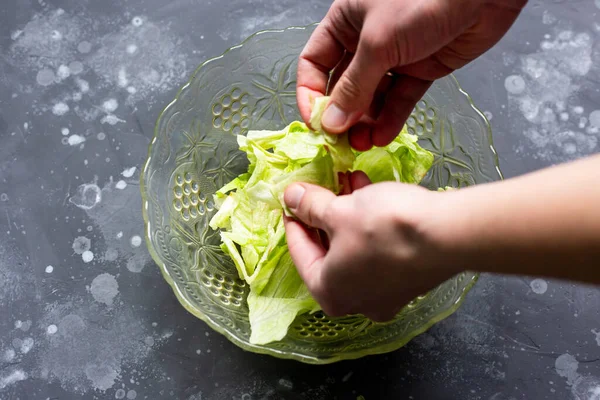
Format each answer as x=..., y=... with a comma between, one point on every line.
x=310, y=204
x=353, y=93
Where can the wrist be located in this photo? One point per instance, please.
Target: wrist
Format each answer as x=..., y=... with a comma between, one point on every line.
x=456, y=231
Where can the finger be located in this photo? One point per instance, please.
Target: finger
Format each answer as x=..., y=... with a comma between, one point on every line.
x=355, y=89
x=337, y=33
x=360, y=136
x=338, y=71
x=345, y=187
x=310, y=204
x=380, y=316
x=358, y=180
x=378, y=98
x=400, y=101
x=428, y=69
x=324, y=239
x=305, y=249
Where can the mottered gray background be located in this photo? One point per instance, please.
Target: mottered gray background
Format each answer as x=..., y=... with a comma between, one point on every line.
x=85, y=313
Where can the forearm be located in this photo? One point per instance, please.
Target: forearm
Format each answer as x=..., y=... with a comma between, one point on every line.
x=546, y=223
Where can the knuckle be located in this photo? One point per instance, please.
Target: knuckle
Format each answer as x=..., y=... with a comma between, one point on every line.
x=375, y=40
x=349, y=89
x=328, y=295
x=379, y=45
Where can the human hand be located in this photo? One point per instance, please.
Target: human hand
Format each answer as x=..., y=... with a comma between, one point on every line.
x=418, y=41
x=378, y=256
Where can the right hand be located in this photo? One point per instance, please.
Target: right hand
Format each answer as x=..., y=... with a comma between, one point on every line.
x=417, y=40
x=379, y=252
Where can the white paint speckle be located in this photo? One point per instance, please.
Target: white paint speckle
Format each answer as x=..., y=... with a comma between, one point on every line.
x=13, y=377
x=121, y=185
x=539, y=286
x=111, y=119
x=548, y=80
x=87, y=196
x=45, y=77
x=595, y=118
x=120, y=394
x=347, y=376
x=65, y=131
x=26, y=345
x=81, y=244
x=9, y=355
x=60, y=109
x=49, y=269
x=101, y=136
x=122, y=77
x=87, y=256
x=137, y=21
x=56, y=35
x=488, y=115
x=119, y=235
x=566, y=366
x=514, y=84
x=128, y=173
x=15, y=35
x=63, y=72
x=547, y=18
x=131, y=48
x=597, y=334
x=569, y=148
x=74, y=140
x=104, y=289
x=84, y=86
x=51, y=329
x=110, y=105
x=136, y=241
x=84, y=47
x=131, y=90
x=287, y=384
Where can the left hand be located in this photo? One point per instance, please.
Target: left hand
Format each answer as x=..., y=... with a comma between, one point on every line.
x=380, y=255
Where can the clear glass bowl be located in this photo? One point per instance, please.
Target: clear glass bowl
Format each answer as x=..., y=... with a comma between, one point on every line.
x=194, y=152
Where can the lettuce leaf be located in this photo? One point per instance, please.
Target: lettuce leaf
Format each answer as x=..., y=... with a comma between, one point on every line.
x=403, y=160
x=251, y=208
x=273, y=309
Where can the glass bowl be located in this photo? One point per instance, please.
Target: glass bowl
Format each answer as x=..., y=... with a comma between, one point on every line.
x=194, y=152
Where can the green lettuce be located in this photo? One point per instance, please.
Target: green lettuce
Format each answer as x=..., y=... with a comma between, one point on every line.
x=251, y=208
x=403, y=160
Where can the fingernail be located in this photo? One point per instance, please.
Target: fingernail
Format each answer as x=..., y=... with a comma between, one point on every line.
x=334, y=117
x=293, y=196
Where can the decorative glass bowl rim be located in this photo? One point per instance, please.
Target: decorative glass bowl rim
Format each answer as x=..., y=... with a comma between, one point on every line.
x=225, y=332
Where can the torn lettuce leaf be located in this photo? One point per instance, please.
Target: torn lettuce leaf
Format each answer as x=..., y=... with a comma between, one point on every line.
x=273, y=309
x=251, y=208
x=403, y=160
